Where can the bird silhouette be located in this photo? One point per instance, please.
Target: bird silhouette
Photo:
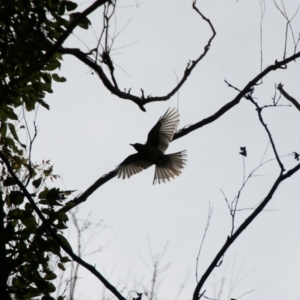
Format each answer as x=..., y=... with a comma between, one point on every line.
x=152, y=152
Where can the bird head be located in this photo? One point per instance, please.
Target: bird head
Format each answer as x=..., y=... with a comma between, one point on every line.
x=137, y=146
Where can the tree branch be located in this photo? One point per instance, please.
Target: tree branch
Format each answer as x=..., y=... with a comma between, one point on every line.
x=83, y=197
x=244, y=225
x=113, y=86
x=277, y=65
x=53, y=234
x=259, y=112
x=287, y=96
x=71, y=27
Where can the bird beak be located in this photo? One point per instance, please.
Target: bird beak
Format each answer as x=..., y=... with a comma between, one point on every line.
x=131, y=145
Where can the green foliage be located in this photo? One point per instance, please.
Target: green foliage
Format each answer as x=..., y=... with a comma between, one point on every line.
x=29, y=30
x=31, y=246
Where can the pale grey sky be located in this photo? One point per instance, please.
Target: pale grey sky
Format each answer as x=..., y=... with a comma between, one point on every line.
x=88, y=131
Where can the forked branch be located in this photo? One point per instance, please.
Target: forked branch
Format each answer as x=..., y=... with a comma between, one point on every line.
x=111, y=84
x=230, y=240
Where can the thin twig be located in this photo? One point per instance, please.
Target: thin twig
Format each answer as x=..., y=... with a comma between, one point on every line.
x=230, y=240
x=210, y=210
x=259, y=112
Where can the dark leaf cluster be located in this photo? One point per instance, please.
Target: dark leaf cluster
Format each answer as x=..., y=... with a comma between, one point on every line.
x=29, y=30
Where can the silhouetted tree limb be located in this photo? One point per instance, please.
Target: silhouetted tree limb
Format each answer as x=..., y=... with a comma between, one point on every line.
x=243, y=226
x=287, y=96
x=54, y=235
x=72, y=26
x=112, y=85
x=277, y=65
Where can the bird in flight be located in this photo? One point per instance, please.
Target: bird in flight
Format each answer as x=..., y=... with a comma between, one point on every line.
x=152, y=152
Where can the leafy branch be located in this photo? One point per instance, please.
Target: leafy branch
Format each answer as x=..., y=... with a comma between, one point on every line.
x=59, y=239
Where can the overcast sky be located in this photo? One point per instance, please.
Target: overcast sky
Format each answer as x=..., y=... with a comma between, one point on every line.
x=88, y=131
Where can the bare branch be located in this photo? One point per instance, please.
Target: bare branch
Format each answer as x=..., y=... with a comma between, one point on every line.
x=287, y=96
x=112, y=85
x=243, y=226
x=83, y=197
x=259, y=112
x=277, y=65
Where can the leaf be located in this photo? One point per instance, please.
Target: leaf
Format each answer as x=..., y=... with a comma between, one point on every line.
x=28, y=207
x=46, y=87
x=43, y=194
x=84, y=23
x=29, y=104
x=17, y=213
x=57, y=78
x=53, y=195
x=15, y=282
x=65, y=259
x=11, y=143
x=16, y=197
x=61, y=266
x=71, y=5
x=37, y=182
x=10, y=113
x=30, y=224
x=46, y=76
x=43, y=202
x=62, y=8
x=65, y=242
x=52, y=65
x=60, y=225
x=9, y=181
x=13, y=131
x=3, y=129
x=68, y=192
x=243, y=151
x=53, y=246
x=50, y=276
x=43, y=103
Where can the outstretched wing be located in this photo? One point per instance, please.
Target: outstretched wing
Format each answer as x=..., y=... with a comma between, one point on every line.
x=131, y=165
x=162, y=133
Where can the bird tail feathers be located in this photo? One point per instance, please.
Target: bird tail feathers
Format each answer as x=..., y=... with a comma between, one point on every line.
x=171, y=167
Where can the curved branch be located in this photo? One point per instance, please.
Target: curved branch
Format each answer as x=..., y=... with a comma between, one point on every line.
x=98, y=69
x=243, y=226
x=54, y=235
x=112, y=85
x=277, y=65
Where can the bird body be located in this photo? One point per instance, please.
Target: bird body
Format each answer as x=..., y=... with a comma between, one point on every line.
x=152, y=152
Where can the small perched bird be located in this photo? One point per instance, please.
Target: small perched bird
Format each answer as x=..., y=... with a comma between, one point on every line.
x=152, y=152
